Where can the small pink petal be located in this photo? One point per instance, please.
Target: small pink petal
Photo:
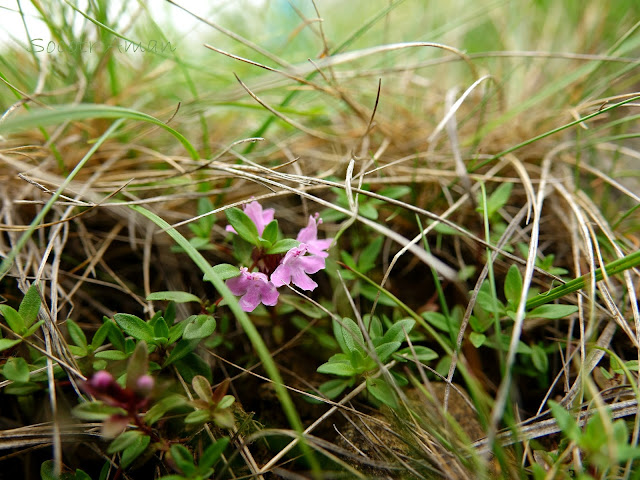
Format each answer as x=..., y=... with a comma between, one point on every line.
x=281, y=276
x=250, y=300
x=309, y=236
x=260, y=217
x=302, y=280
x=295, y=266
x=253, y=287
x=238, y=285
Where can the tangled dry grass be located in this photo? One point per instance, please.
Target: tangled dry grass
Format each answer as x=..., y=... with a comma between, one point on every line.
x=452, y=112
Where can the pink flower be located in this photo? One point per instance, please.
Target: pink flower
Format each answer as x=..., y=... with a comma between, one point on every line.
x=254, y=287
x=309, y=236
x=261, y=218
x=295, y=266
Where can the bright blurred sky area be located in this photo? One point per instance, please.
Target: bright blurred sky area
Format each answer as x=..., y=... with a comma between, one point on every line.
x=190, y=29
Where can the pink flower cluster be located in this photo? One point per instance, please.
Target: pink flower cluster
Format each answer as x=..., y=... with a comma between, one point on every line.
x=294, y=267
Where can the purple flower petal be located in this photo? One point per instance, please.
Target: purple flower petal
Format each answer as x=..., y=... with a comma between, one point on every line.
x=254, y=288
x=309, y=236
x=295, y=266
x=261, y=218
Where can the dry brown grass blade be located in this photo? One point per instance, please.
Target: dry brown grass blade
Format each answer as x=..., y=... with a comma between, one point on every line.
x=281, y=116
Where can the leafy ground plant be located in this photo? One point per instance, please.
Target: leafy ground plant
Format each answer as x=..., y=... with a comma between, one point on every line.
x=319, y=240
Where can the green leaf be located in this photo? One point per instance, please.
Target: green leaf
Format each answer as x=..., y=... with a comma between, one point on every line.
x=243, y=225
x=338, y=333
x=16, y=369
x=374, y=327
x=224, y=271
x=385, y=350
x=48, y=471
x=497, y=199
x=565, y=421
x=191, y=365
x=170, y=313
x=160, y=329
x=226, y=402
x=368, y=210
x=270, y=233
x=199, y=326
x=198, y=416
x=348, y=260
x=205, y=205
x=382, y=392
x=361, y=362
x=335, y=387
x=30, y=305
x=77, y=335
x=6, y=343
x=124, y=440
x=134, y=326
x=337, y=368
x=488, y=302
x=112, y=355
x=134, y=451
x=116, y=337
x=176, y=331
x=422, y=354
x=100, y=336
x=395, y=192
x=477, y=339
x=212, y=454
x=13, y=318
x=22, y=388
x=202, y=387
x=352, y=335
x=160, y=408
x=438, y=320
x=82, y=475
x=32, y=329
x=182, y=348
x=174, y=296
x=182, y=456
x=539, y=358
x=398, y=331
x=552, y=312
x=282, y=246
x=96, y=411
x=513, y=285
x=370, y=292
x=369, y=256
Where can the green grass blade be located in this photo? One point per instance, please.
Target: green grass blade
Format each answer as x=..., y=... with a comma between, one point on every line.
x=630, y=261
x=58, y=115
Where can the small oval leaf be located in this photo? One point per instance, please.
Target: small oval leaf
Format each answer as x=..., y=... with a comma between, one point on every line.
x=174, y=296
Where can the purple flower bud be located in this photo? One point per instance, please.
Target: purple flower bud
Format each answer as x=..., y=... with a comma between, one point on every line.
x=145, y=384
x=101, y=381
